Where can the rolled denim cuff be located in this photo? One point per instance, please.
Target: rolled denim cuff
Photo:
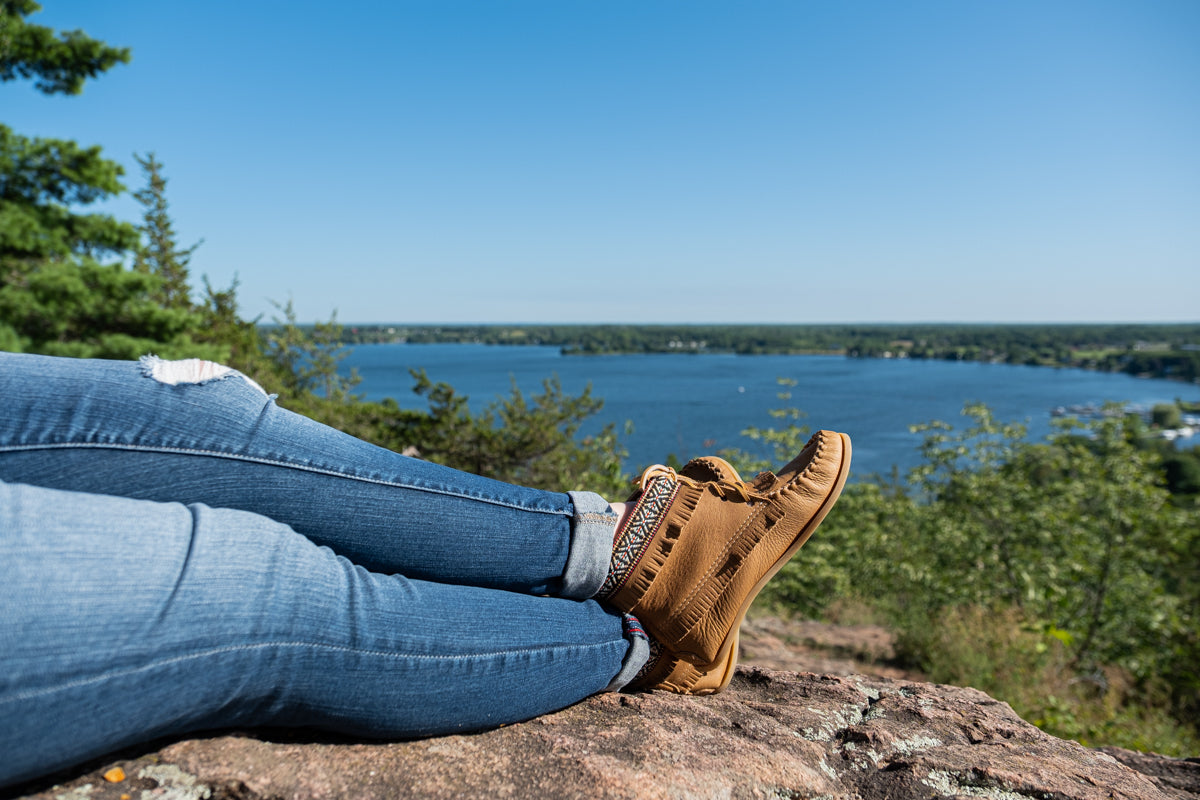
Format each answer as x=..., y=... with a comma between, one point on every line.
x=592, y=527
x=635, y=658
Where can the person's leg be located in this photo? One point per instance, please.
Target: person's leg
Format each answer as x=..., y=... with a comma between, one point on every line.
x=194, y=432
x=689, y=560
x=124, y=620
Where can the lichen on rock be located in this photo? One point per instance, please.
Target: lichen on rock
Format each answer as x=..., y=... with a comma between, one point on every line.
x=771, y=734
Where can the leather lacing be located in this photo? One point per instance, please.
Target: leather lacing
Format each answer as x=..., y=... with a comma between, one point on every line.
x=738, y=490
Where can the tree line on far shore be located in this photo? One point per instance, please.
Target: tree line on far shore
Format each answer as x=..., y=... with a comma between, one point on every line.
x=1157, y=350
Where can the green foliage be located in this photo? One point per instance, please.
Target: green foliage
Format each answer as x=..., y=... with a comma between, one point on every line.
x=856, y=554
x=1077, y=532
x=10, y=340
x=1182, y=471
x=1166, y=415
x=42, y=181
x=58, y=295
x=1180, y=364
x=533, y=441
x=1070, y=554
x=57, y=299
x=1029, y=665
x=306, y=362
x=97, y=311
x=159, y=254
x=220, y=323
x=58, y=64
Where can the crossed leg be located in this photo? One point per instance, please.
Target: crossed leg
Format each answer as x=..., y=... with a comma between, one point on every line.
x=152, y=613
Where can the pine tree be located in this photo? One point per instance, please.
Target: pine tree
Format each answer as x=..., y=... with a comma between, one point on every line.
x=43, y=180
x=159, y=254
x=64, y=287
x=59, y=64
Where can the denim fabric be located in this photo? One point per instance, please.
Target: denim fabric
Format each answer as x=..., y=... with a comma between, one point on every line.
x=190, y=556
x=106, y=427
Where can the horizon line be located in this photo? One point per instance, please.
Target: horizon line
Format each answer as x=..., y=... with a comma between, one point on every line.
x=1158, y=323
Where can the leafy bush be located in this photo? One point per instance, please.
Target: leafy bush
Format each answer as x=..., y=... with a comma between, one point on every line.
x=1030, y=666
x=1058, y=575
x=529, y=440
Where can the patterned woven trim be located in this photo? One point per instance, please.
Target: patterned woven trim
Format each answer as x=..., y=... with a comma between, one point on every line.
x=633, y=539
x=651, y=663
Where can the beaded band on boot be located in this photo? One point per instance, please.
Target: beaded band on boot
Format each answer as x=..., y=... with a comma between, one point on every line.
x=632, y=540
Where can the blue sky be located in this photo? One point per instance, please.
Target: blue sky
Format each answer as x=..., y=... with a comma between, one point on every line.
x=653, y=161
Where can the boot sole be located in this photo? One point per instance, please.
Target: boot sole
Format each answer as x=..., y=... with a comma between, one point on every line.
x=728, y=651
x=729, y=667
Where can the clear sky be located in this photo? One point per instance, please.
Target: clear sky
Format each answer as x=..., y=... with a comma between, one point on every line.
x=662, y=161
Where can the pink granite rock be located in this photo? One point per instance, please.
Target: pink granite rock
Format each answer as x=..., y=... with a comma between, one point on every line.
x=770, y=735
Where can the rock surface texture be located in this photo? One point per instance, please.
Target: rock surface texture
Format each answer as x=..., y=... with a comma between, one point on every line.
x=770, y=735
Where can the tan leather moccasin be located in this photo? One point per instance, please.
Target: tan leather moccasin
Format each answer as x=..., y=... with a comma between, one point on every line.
x=673, y=674
x=712, y=542
x=669, y=672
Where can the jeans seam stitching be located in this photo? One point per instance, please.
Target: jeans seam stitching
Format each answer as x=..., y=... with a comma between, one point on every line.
x=273, y=462
x=31, y=693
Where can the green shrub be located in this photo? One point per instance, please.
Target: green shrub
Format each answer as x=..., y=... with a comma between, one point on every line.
x=1059, y=576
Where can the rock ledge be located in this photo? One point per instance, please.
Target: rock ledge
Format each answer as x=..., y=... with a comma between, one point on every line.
x=770, y=735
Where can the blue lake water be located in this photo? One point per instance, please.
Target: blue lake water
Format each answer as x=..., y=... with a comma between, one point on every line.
x=692, y=404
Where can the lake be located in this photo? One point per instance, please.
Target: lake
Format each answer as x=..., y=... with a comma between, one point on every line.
x=693, y=404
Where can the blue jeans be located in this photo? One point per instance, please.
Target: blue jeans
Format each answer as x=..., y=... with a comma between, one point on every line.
x=179, y=553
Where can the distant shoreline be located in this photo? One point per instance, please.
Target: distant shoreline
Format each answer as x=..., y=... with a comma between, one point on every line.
x=1170, y=351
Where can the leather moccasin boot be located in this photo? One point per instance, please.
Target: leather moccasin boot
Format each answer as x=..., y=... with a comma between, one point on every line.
x=711, y=545
x=673, y=674
x=669, y=672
